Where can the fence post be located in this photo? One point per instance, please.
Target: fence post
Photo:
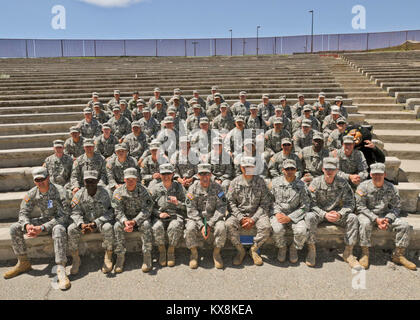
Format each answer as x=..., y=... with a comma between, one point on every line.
x=26, y=48
x=367, y=41
x=215, y=50
x=338, y=48
x=275, y=45
x=156, y=42
x=185, y=46
x=125, y=50
x=94, y=47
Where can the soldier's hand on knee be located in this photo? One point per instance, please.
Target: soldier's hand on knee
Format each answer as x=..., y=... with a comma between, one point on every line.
x=331, y=216
x=35, y=231
x=29, y=228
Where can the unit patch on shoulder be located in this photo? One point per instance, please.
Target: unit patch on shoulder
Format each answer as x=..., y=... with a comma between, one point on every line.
x=360, y=192
x=117, y=196
x=74, y=202
x=190, y=196
x=311, y=188
x=26, y=198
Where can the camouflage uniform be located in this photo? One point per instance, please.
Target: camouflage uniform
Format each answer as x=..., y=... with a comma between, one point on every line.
x=276, y=164
x=273, y=141
x=249, y=199
x=149, y=167
x=152, y=101
x=355, y=164
x=150, y=128
x=83, y=163
x=137, y=114
x=213, y=111
x=241, y=109
x=115, y=170
x=287, y=123
x=329, y=124
x=373, y=203
x=335, y=140
x=121, y=127
x=87, y=209
x=193, y=121
x=296, y=123
x=210, y=204
x=185, y=166
x=132, y=205
x=137, y=144
x=174, y=225
x=301, y=140
x=335, y=197
x=312, y=161
x=54, y=217
x=223, y=123
x=293, y=200
x=159, y=114
x=90, y=129
x=321, y=114
x=265, y=111
x=105, y=147
x=59, y=169
x=101, y=117
x=221, y=171
x=296, y=110
x=74, y=149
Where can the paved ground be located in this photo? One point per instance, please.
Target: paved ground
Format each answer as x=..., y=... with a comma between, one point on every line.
x=331, y=279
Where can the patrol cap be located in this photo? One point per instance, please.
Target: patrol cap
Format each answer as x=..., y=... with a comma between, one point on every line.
x=39, y=173
x=330, y=163
x=318, y=136
x=341, y=120
x=166, y=168
x=204, y=168
x=204, y=120
x=58, y=143
x=195, y=91
x=289, y=163
x=278, y=120
x=253, y=107
x=90, y=174
x=239, y=118
x=177, y=90
x=283, y=98
x=120, y=146
x=158, y=102
x=116, y=107
x=265, y=96
x=116, y=91
x=88, y=142
x=175, y=97
x=215, y=88
x=321, y=95
x=135, y=92
x=87, y=110
x=279, y=108
x=95, y=95
x=335, y=110
x=248, y=142
x=248, y=162
x=141, y=102
x=130, y=173
x=147, y=109
x=154, y=145
x=217, y=141
x=300, y=95
x=193, y=99
x=377, y=168
x=74, y=129
x=106, y=126
x=307, y=107
x=242, y=93
x=156, y=89
x=217, y=95
x=197, y=106
x=122, y=101
x=348, y=139
x=171, y=109
x=286, y=141
x=306, y=123
x=338, y=98
x=224, y=105
x=97, y=104
x=168, y=119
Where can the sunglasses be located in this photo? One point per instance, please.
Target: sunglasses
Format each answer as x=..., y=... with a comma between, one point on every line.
x=166, y=173
x=286, y=145
x=289, y=169
x=40, y=180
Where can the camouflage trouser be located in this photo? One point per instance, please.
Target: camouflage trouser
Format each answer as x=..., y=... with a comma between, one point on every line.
x=145, y=230
x=279, y=232
x=59, y=236
x=74, y=234
x=349, y=222
x=262, y=225
x=174, y=229
x=401, y=228
x=194, y=238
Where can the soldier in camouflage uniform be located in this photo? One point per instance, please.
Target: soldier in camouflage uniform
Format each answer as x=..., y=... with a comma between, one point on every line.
x=332, y=201
x=287, y=109
x=342, y=109
x=250, y=202
x=89, y=127
x=105, y=143
x=296, y=109
x=378, y=204
x=275, y=165
x=307, y=114
x=74, y=145
x=150, y=165
x=213, y=110
x=59, y=165
x=274, y=137
x=241, y=107
x=206, y=208
x=182, y=101
x=201, y=139
x=322, y=107
x=115, y=100
x=352, y=163
x=224, y=121
x=95, y=98
x=291, y=203
x=120, y=125
x=234, y=140
x=137, y=112
x=185, y=161
x=91, y=212
x=254, y=121
x=51, y=200
x=132, y=103
x=312, y=158
x=136, y=141
x=193, y=120
x=98, y=114
x=125, y=112
x=330, y=121
x=197, y=99
x=116, y=165
x=149, y=125
x=169, y=212
x=211, y=97
x=132, y=205
x=279, y=113
x=303, y=137
x=175, y=102
x=265, y=109
x=157, y=97
x=90, y=160
x=168, y=137
x=335, y=140
x=159, y=111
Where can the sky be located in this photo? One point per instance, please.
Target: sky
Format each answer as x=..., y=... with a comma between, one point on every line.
x=177, y=19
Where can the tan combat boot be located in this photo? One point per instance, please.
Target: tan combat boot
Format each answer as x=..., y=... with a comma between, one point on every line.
x=293, y=255
x=281, y=255
x=171, y=256
x=217, y=258
x=162, y=255
x=240, y=255
x=364, y=260
x=119, y=264
x=76, y=263
x=63, y=281
x=311, y=256
x=255, y=256
x=147, y=262
x=194, y=258
x=23, y=265
x=398, y=258
x=350, y=258
x=107, y=267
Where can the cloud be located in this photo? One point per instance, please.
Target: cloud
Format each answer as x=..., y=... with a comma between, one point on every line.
x=112, y=3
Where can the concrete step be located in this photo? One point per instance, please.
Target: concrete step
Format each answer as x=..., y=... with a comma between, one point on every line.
x=405, y=89
x=328, y=236
x=36, y=127
x=410, y=170
x=393, y=84
x=29, y=157
x=406, y=115
x=41, y=117
x=398, y=136
x=16, y=179
x=31, y=140
x=401, y=97
x=382, y=124
x=42, y=109
x=403, y=151
x=362, y=107
x=386, y=100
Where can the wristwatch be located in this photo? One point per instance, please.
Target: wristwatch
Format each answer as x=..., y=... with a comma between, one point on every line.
x=42, y=228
